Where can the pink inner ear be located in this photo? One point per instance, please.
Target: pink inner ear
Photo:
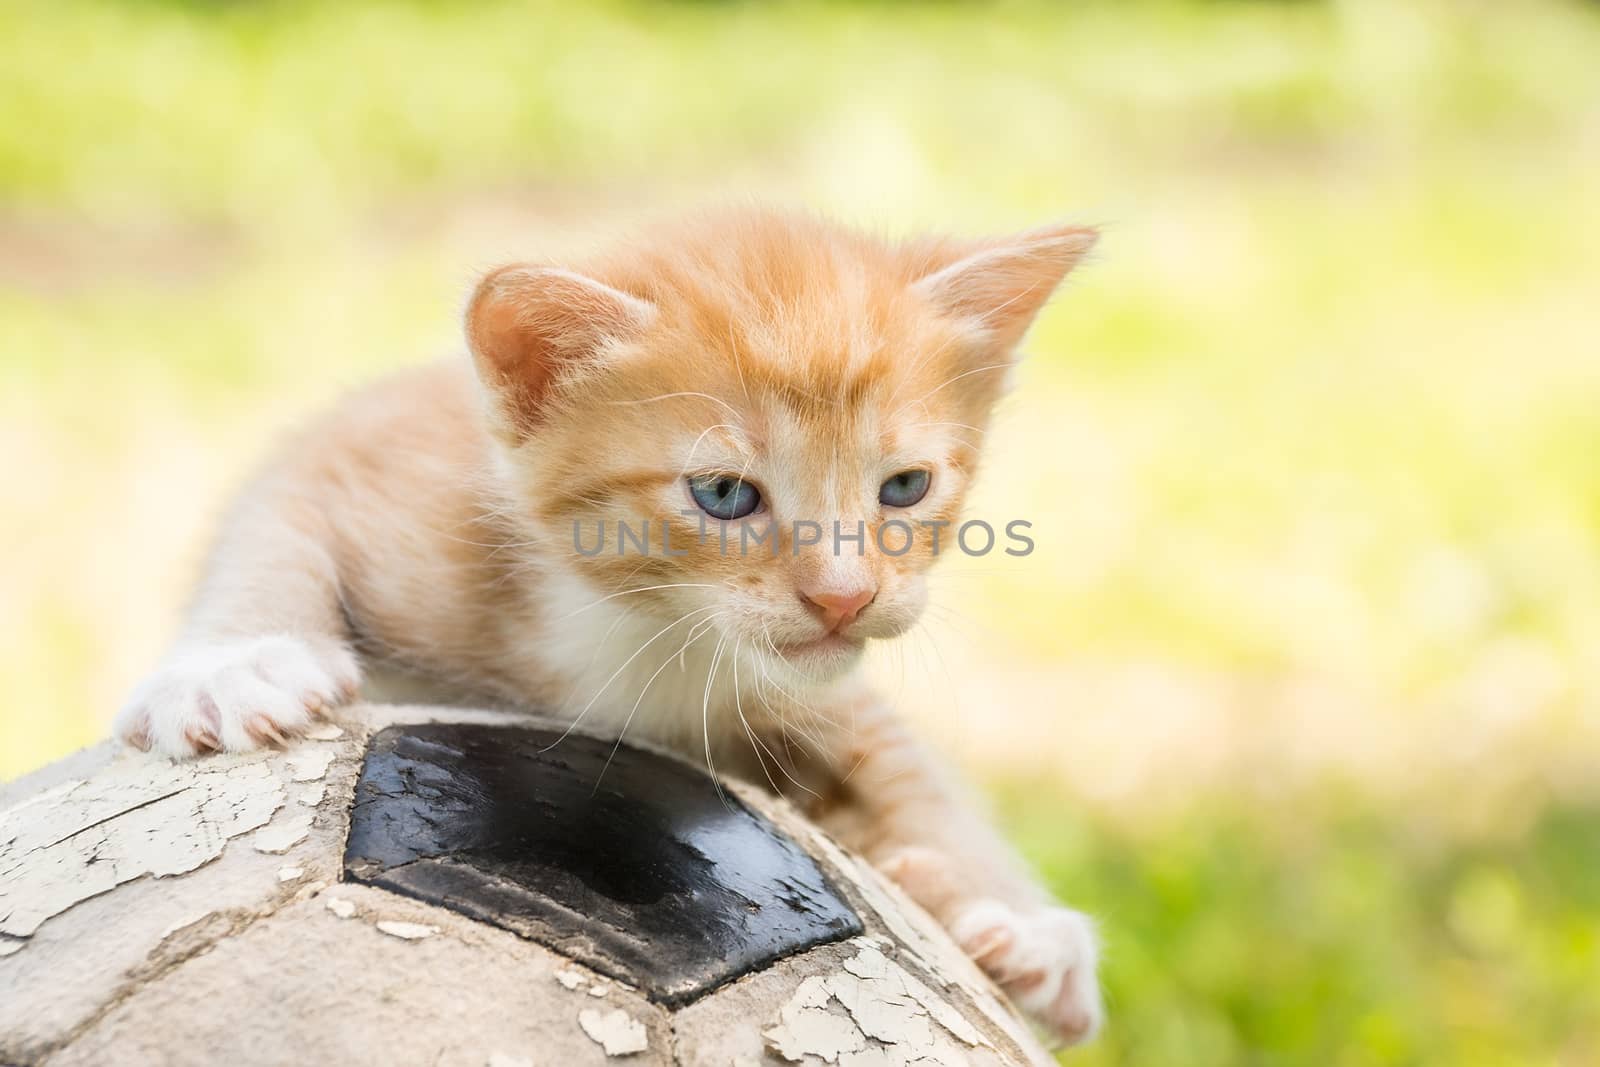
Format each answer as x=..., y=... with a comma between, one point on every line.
x=510, y=356
x=525, y=323
x=1004, y=287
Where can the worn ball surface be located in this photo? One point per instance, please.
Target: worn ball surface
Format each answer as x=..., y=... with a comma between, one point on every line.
x=423, y=885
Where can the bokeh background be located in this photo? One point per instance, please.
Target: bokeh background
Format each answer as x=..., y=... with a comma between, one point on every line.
x=1301, y=691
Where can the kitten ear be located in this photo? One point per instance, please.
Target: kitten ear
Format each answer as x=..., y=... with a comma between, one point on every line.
x=526, y=324
x=1004, y=285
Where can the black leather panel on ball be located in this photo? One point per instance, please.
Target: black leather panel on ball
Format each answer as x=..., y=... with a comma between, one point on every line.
x=652, y=877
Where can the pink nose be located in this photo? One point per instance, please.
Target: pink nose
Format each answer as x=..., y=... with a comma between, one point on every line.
x=838, y=609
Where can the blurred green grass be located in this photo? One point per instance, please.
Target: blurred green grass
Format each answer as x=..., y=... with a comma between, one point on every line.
x=1237, y=936
x=1314, y=438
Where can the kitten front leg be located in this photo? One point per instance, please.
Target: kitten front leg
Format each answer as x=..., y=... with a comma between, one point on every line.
x=265, y=649
x=887, y=799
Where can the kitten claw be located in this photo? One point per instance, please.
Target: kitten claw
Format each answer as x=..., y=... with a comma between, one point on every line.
x=260, y=727
x=138, y=733
x=996, y=940
x=203, y=738
x=1044, y=960
x=237, y=696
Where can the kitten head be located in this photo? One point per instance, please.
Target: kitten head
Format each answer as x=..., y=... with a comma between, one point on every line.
x=759, y=425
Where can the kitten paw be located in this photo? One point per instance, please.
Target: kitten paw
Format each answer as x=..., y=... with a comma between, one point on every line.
x=1044, y=960
x=237, y=696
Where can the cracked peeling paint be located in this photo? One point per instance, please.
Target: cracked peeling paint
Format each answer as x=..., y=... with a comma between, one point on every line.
x=289, y=874
x=324, y=731
x=599, y=990
x=183, y=924
x=872, y=966
x=619, y=1033
x=407, y=931
x=922, y=939
x=569, y=978
x=312, y=795
x=139, y=816
x=279, y=839
x=888, y=1018
x=806, y=1026
x=310, y=766
x=880, y=892
x=341, y=907
x=9, y=946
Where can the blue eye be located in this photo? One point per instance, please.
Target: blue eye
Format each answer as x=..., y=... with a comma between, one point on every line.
x=722, y=496
x=904, y=489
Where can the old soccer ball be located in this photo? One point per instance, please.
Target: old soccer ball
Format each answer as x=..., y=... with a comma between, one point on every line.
x=431, y=886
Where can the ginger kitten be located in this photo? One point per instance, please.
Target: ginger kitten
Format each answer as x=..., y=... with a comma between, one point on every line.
x=733, y=386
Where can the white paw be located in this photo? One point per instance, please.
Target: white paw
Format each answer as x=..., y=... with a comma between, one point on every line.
x=237, y=695
x=1045, y=961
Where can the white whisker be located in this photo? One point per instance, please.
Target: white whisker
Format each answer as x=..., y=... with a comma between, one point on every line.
x=693, y=633
x=755, y=741
x=705, y=719
x=630, y=592
x=567, y=732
